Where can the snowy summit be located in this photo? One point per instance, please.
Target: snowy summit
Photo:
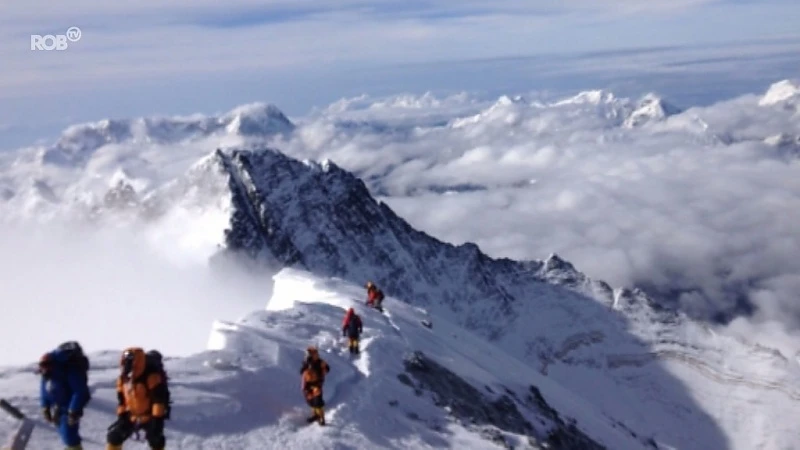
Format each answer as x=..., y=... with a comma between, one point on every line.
x=650, y=108
x=782, y=92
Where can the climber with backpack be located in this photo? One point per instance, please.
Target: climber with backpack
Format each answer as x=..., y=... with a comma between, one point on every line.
x=352, y=328
x=374, y=296
x=64, y=390
x=143, y=399
x=313, y=373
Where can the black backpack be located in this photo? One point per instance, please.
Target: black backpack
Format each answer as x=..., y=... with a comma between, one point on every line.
x=154, y=363
x=316, y=366
x=354, y=324
x=76, y=360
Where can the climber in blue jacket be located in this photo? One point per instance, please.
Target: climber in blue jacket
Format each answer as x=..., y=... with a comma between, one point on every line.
x=64, y=390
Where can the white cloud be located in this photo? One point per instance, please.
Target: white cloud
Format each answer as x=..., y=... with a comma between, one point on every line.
x=698, y=203
x=149, y=40
x=711, y=210
x=106, y=289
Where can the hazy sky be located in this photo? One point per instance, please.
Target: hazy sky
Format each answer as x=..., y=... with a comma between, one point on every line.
x=140, y=58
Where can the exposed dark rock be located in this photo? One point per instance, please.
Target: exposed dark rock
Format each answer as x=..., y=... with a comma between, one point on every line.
x=405, y=379
x=535, y=398
x=322, y=218
x=472, y=408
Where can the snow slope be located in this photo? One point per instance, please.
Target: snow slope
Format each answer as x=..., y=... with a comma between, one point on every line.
x=243, y=392
x=662, y=374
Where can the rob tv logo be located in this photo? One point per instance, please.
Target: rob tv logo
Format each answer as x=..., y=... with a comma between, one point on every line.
x=55, y=42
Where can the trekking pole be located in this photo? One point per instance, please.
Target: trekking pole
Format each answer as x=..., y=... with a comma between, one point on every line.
x=19, y=438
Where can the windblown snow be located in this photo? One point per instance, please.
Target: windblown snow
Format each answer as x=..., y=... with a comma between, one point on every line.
x=244, y=391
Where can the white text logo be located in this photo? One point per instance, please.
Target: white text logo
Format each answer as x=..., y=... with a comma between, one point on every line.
x=55, y=42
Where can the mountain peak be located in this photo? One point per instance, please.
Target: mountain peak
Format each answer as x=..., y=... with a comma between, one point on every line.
x=592, y=97
x=323, y=218
x=78, y=143
x=77, y=140
x=256, y=109
x=504, y=111
x=781, y=92
x=555, y=262
x=287, y=213
x=257, y=119
x=505, y=100
x=651, y=107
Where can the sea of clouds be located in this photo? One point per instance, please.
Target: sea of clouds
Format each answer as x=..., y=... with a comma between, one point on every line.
x=699, y=207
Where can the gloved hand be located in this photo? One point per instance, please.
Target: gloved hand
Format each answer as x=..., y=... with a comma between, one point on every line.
x=47, y=415
x=73, y=418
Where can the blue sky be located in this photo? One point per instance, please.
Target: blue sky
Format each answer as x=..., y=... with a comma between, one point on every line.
x=180, y=56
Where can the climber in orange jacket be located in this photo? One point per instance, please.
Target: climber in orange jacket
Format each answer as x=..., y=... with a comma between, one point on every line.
x=142, y=396
x=313, y=373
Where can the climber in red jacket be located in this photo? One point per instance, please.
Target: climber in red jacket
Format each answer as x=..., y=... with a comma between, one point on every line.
x=374, y=296
x=352, y=328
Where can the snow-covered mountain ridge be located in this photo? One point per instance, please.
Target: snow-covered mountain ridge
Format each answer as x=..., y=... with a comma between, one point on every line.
x=604, y=106
x=321, y=218
x=76, y=144
x=88, y=160
x=419, y=382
